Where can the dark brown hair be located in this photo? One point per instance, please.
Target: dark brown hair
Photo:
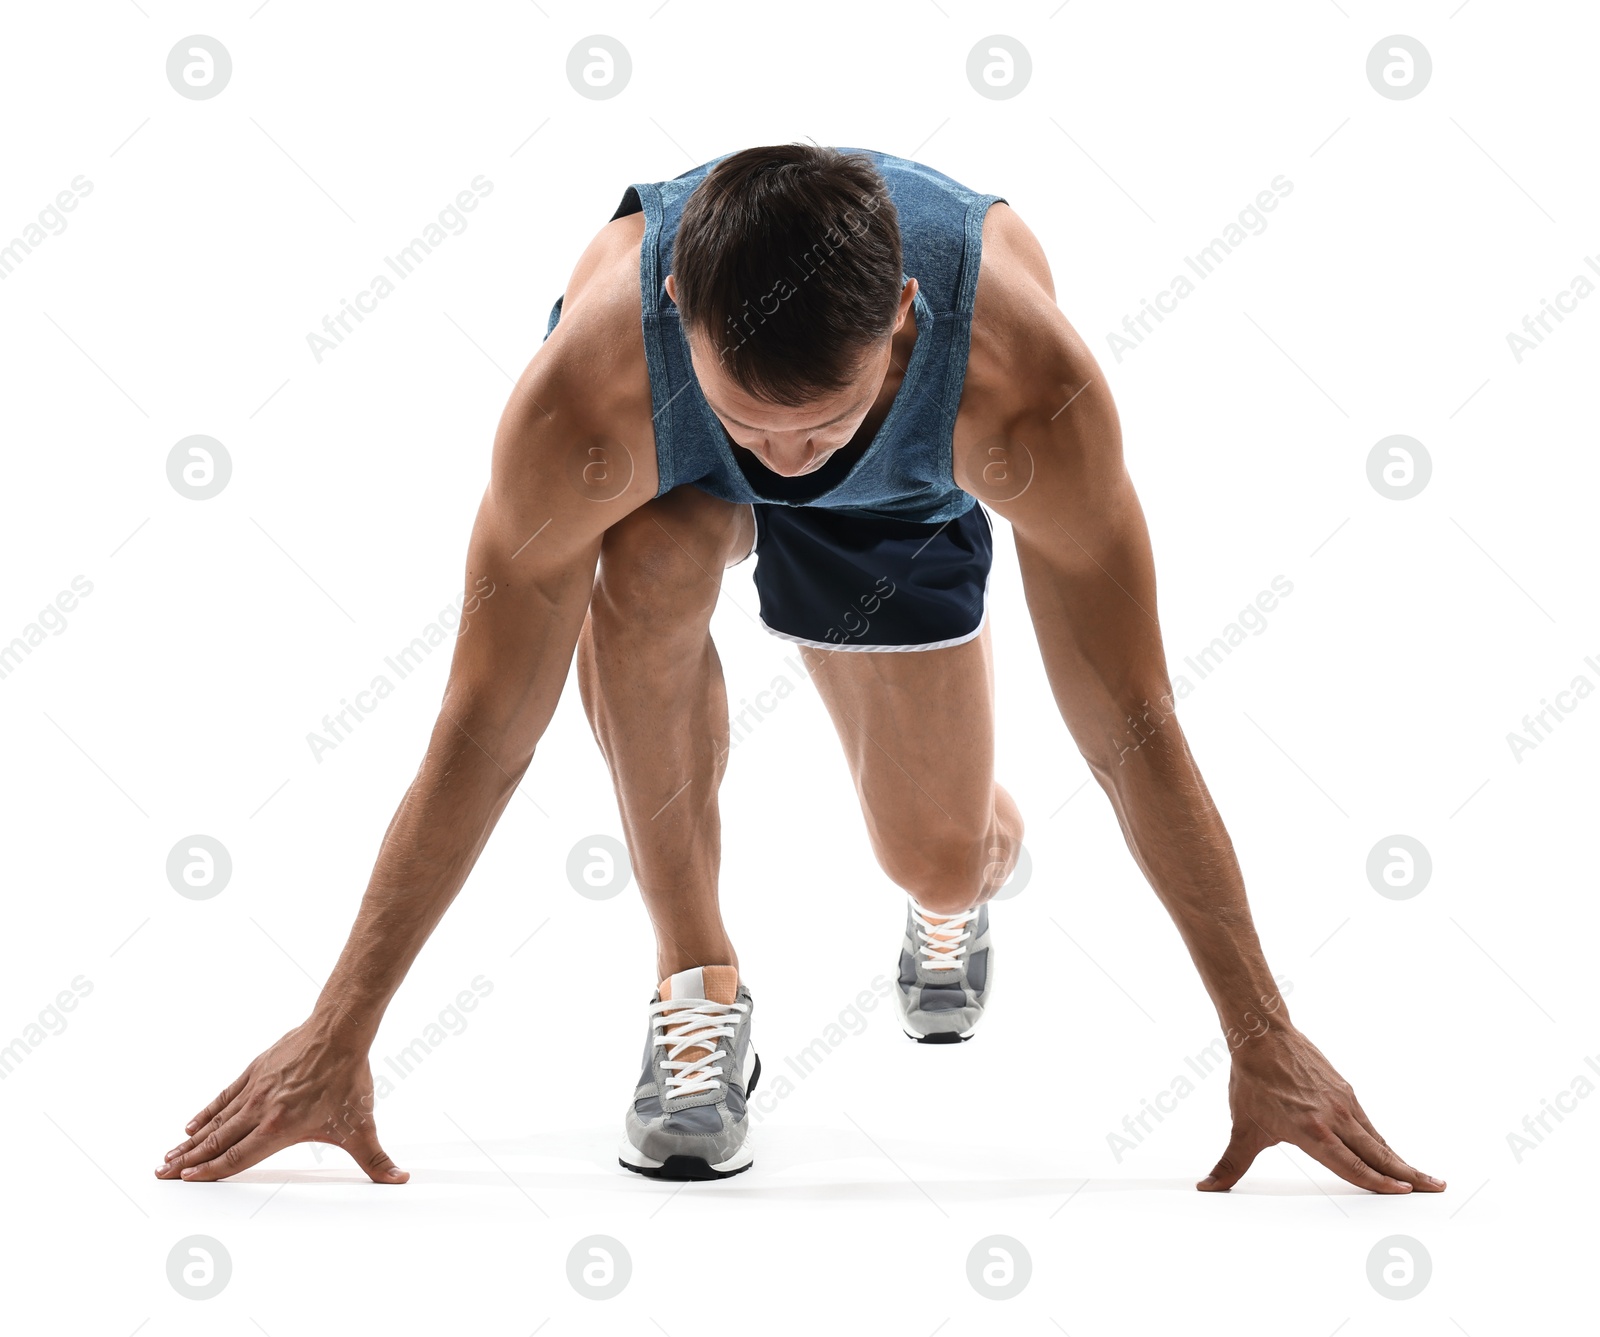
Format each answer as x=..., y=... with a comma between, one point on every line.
x=787, y=262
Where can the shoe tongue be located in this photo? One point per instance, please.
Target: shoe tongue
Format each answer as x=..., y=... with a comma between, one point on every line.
x=719, y=984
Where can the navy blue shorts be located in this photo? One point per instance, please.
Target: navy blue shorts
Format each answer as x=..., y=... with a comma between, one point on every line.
x=838, y=580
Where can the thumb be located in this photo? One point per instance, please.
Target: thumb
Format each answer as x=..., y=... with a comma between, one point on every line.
x=1243, y=1147
x=370, y=1156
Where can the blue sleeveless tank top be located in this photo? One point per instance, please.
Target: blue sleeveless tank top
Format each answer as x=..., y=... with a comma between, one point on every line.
x=905, y=472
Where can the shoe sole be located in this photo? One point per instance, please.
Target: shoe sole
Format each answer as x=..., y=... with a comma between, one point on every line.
x=688, y=1169
x=692, y=1169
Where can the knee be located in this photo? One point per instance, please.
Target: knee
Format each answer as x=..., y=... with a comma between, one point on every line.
x=948, y=874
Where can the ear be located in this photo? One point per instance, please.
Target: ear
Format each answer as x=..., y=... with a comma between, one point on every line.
x=907, y=296
x=671, y=286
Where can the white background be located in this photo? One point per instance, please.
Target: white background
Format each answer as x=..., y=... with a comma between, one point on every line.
x=1378, y=700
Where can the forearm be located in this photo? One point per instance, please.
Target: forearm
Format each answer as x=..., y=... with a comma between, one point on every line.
x=432, y=843
x=1178, y=839
x=1102, y=653
x=506, y=674
x=1089, y=576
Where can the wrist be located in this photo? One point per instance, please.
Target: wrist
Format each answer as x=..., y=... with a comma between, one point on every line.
x=1255, y=1016
x=344, y=1024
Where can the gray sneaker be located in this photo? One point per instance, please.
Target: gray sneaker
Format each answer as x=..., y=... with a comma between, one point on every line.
x=687, y=1119
x=946, y=970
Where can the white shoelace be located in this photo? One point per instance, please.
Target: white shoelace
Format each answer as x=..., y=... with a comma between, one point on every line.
x=947, y=951
x=682, y=1024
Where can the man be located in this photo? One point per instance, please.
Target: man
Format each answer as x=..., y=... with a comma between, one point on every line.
x=829, y=357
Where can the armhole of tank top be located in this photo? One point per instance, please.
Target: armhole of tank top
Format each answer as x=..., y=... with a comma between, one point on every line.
x=966, y=294
x=647, y=198
x=631, y=204
x=972, y=250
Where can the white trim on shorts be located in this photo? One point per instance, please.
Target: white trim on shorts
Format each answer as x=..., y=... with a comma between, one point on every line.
x=890, y=649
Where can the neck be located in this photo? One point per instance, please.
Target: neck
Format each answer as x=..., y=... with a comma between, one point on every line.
x=900, y=348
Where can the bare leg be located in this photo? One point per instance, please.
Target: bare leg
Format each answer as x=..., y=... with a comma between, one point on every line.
x=918, y=732
x=652, y=686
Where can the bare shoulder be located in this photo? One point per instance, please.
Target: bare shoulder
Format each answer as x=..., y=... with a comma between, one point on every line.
x=593, y=362
x=587, y=387
x=1033, y=391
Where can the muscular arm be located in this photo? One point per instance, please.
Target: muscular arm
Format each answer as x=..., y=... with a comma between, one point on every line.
x=1089, y=579
x=1047, y=455
x=557, y=483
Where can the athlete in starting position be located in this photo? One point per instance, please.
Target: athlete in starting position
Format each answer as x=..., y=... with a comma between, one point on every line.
x=829, y=357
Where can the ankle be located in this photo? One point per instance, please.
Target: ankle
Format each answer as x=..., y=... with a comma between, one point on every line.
x=941, y=914
x=674, y=958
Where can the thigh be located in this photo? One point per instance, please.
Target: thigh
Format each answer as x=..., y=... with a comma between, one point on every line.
x=918, y=733
x=667, y=557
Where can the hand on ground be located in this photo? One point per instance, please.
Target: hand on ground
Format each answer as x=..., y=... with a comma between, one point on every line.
x=308, y=1087
x=1282, y=1089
